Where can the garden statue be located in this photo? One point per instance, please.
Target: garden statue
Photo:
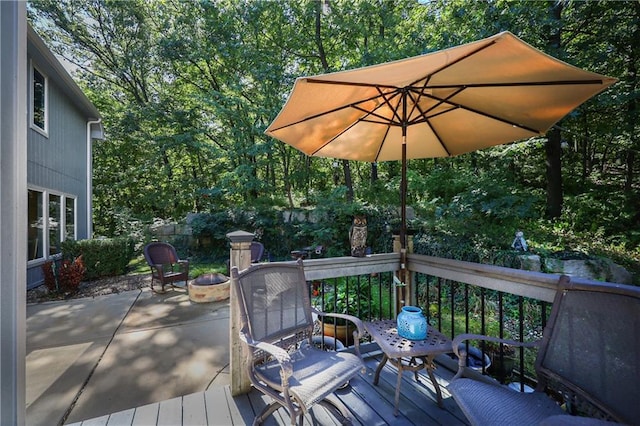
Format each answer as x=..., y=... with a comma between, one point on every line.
x=358, y=236
x=519, y=242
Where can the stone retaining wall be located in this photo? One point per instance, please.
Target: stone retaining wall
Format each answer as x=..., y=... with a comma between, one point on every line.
x=599, y=269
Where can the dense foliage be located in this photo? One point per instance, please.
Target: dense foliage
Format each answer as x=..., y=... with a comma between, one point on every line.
x=101, y=257
x=186, y=89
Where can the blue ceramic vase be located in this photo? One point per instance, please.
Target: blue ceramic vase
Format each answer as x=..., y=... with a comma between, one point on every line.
x=412, y=324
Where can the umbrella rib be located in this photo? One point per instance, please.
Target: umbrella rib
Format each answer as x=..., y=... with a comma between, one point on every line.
x=351, y=105
x=350, y=83
x=386, y=101
x=393, y=109
x=421, y=92
x=517, y=84
x=491, y=116
x=462, y=58
x=327, y=142
x=423, y=115
x=479, y=49
x=382, y=143
x=455, y=105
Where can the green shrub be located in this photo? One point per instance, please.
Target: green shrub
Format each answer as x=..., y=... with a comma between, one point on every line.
x=327, y=225
x=102, y=257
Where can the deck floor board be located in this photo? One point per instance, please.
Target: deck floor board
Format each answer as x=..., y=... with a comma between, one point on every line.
x=369, y=404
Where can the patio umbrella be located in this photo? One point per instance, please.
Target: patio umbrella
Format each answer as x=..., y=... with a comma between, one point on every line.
x=457, y=100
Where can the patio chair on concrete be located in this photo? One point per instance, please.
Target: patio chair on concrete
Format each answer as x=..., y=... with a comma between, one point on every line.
x=589, y=357
x=257, y=251
x=257, y=254
x=165, y=266
x=276, y=329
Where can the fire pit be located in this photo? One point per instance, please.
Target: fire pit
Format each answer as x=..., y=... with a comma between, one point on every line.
x=209, y=288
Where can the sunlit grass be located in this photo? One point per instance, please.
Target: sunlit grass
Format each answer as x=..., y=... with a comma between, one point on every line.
x=139, y=266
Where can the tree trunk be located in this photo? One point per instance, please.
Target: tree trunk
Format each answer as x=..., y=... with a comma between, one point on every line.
x=553, y=150
x=325, y=65
x=632, y=112
x=631, y=159
x=347, y=180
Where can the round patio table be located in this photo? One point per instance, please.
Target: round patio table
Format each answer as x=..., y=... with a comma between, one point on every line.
x=419, y=353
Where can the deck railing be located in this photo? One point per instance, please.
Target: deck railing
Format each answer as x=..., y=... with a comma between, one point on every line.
x=456, y=296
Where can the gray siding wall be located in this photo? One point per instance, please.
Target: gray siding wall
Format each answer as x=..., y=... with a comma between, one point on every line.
x=59, y=162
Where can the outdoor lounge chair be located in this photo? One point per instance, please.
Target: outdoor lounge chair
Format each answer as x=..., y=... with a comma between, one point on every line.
x=257, y=251
x=165, y=266
x=276, y=330
x=257, y=254
x=589, y=358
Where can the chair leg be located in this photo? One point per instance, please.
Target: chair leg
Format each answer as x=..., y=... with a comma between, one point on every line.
x=267, y=411
x=337, y=407
x=153, y=290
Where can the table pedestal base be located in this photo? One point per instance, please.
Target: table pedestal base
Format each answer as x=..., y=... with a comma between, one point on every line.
x=419, y=353
x=415, y=364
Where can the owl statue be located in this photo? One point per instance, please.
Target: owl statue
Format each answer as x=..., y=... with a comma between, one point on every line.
x=358, y=236
x=519, y=243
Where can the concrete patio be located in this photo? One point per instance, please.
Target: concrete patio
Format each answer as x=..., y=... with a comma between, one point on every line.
x=94, y=356
x=142, y=358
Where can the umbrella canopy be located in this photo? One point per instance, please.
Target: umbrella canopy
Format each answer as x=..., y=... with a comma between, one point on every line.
x=458, y=100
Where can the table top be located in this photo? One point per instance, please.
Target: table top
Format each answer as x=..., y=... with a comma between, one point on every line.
x=385, y=333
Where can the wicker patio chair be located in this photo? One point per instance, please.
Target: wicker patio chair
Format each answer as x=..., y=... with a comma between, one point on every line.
x=165, y=265
x=589, y=358
x=257, y=251
x=277, y=322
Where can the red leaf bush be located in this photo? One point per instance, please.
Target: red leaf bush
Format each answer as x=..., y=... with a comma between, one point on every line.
x=64, y=277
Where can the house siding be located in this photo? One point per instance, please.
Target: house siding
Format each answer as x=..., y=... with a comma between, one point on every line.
x=57, y=161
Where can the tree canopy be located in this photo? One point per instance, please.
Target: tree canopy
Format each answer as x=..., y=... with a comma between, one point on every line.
x=186, y=89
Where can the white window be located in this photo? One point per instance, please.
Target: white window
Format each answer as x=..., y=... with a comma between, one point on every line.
x=70, y=218
x=55, y=219
x=36, y=225
x=52, y=220
x=39, y=101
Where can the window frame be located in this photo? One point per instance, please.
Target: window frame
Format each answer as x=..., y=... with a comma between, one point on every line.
x=42, y=235
x=65, y=199
x=43, y=131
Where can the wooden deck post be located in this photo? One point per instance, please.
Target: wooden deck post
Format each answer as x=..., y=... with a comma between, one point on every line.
x=239, y=256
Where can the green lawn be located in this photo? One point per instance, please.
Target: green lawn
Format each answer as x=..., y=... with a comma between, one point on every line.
x=139, y=266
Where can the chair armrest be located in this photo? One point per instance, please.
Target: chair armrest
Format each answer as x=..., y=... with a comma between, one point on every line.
x=184, y=264
x=461, y=353
x=357, y=334
x=278, y=354
x=159, y=267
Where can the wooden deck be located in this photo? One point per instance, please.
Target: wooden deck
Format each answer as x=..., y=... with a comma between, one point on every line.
x=369, y=404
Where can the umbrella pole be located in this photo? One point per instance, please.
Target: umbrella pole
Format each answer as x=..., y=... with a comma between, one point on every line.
x=401, y=289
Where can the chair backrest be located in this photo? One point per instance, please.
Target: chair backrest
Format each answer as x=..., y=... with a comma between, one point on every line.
x=274, y=301
x=257, y=250
x=591, y=346
x=158, y=253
